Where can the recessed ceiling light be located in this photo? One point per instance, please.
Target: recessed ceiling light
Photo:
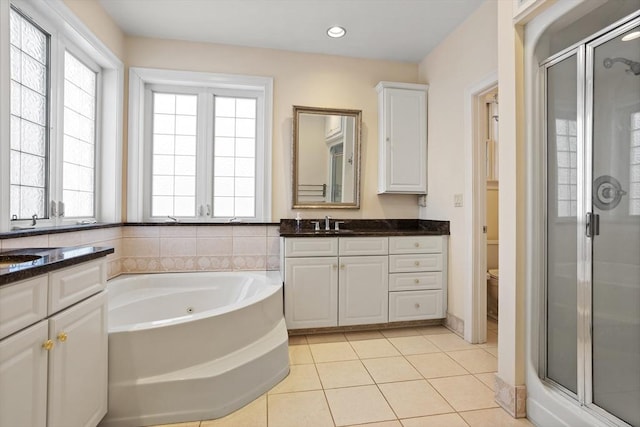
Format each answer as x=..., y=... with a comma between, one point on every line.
x=631, y=36
x=336, y=32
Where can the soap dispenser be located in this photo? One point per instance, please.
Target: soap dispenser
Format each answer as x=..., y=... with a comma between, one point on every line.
x=298, y=219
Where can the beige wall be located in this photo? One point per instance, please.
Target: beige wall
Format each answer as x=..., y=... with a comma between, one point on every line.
x=465, y=57
x=299, y=79
x=100, y=23
x=492, y=214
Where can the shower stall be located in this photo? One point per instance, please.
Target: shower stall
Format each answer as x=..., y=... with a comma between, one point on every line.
x=590, y=315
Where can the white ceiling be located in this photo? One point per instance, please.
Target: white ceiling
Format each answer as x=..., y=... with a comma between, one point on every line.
x=399, y=30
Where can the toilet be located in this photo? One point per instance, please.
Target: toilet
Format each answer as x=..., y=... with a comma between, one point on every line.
x=492, y=293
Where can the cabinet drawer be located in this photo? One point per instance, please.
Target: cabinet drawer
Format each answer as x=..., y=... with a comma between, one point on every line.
x=415, y=262
x=415, y=281
x=22, y=304
x=415, y=244
x=363, y=246
x=415, y=305
x=311, y=246
x=73, y=284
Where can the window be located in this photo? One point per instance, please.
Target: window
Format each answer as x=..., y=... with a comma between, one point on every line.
x=29, y=60
x=566, y=152
x=61, y=156
x=204, y=151
x=634, y=168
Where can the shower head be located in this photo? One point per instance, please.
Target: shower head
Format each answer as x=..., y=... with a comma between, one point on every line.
x=634, y=67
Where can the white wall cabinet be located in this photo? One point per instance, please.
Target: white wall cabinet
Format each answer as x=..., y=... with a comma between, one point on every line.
x=343, y=281
x=54, y=372
x=402, y=132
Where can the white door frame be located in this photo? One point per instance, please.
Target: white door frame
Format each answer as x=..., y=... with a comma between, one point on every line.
x=475, y=330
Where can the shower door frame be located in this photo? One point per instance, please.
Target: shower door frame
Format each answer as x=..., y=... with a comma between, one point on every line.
x=584, y=51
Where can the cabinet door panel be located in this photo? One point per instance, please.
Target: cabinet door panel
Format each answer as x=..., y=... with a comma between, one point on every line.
x=23, y=378
x=415, y=305
x=311, y=246
x=363, y=287
x=73, y=284
x=22, y=304
x=311, y=292
x=416, y=262
x=363, y=246
x=78, y=364
x=415, y=281
x=415, y=244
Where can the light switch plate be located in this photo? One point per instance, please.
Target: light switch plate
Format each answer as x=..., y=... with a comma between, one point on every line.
x=457, y=200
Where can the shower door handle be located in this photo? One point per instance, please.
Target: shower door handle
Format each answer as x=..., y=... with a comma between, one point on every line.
x=592, y=228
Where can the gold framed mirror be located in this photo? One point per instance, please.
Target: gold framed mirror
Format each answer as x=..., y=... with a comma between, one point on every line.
x=326, y=158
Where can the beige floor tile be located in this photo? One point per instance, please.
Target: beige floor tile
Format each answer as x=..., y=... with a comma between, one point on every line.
x=394, y=423
x=414, y=399
x=297, y=340
x=358, y=405
x=302, y=409
x=300, y=355
x=444, y=420
x=492, y=338
x=300, y=378
x=492, y=350
x=374, y=348
x=488, y=378
x=414, y=345
x=465, y=393
x=343, y=374
x=321, y=338
x=449, y=342
x=388, y=369
x=363, y=335
x=492, y=324
x=493, y=418
x=400, y=332
x=475, y=361
x=434, y=365
x=254, y=414
x=332, y=352
x=433, y=330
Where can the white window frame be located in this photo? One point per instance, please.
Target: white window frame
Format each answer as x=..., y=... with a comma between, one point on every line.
x=138, y=187
x=69, y=33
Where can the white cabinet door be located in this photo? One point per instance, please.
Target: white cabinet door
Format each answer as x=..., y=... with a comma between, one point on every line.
x=403, y=138
x=78, y=364
x=23, y=378
x=364, y=286
x=311, y=292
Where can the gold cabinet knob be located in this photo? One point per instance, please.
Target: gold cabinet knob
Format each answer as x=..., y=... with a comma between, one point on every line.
x=342, y=266
x=417, y=280
x=417, y=263
x=47, y=345
x=62, y=336
x=416, y=244
x=417, y=305
x=334, y=266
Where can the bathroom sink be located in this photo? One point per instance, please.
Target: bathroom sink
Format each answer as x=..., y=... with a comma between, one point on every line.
x=9, y=260
x=338, y=232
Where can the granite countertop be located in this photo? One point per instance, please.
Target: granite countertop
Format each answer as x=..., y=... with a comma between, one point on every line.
x=366, y=227
x=51, y=259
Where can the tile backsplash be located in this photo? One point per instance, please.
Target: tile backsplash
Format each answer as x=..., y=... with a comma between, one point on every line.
x=152, y=249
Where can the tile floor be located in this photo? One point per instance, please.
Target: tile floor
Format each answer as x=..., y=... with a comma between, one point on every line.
x=427, y=377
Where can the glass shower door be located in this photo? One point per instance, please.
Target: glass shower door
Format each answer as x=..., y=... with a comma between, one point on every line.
x=614, y=64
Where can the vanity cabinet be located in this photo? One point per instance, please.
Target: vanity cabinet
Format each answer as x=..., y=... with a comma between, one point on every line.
x=417, y=277
x=53, y=365
x=402, y=132
x=331, y=281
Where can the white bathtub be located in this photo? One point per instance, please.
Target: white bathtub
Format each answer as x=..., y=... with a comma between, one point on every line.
x=192, y=346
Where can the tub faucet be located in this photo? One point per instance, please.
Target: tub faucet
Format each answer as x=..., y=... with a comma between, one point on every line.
x=327, y=225
x=33, y=219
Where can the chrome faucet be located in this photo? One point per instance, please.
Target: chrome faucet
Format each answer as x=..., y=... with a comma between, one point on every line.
x=33, y=219
x=327, y=220
x=171, y=219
